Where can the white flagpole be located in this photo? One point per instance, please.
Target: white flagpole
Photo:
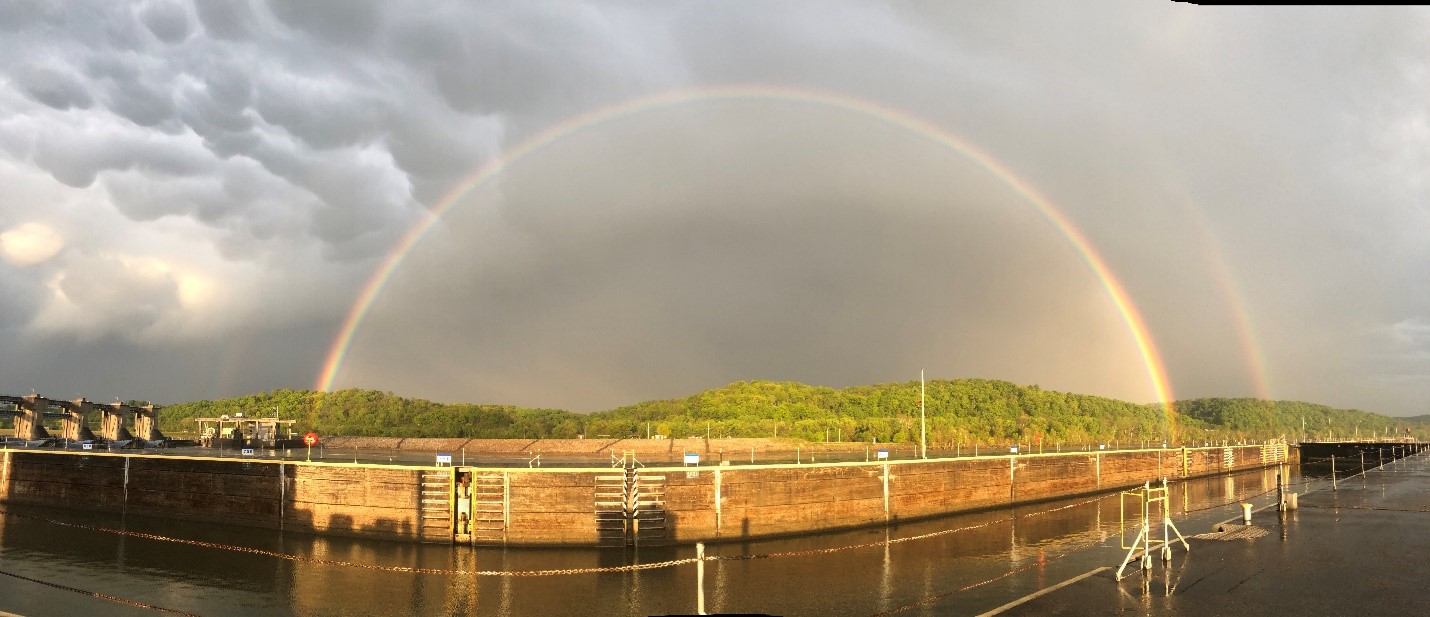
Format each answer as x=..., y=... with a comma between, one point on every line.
x=923, y=432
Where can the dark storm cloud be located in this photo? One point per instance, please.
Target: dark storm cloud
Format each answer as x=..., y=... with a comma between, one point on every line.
x=168, y=21
x=53, y=86
x=224, y=157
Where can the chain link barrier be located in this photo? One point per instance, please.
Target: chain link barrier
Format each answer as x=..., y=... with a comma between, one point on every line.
x=100, y=596
x=569, y=571
x=1334, y=507
x=935, y=598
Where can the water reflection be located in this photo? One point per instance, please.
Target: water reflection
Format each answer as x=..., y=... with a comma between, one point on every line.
x=1045, y=543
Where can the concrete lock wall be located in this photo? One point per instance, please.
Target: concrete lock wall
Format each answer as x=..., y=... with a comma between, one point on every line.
x=557, y=506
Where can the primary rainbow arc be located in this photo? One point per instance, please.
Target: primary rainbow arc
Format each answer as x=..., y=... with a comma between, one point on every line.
x=1151, y=359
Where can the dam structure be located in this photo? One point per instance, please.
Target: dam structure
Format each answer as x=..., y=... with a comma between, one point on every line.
x=617, y=503
x=29, y=413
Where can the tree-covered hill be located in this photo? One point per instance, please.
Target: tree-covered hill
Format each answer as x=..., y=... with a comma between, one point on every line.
x=963, y=411
x=373, y=413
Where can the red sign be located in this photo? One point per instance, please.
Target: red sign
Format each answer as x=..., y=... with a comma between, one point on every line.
x=311, y=439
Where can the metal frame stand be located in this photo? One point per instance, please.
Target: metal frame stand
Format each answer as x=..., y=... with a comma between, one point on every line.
x=1144, y=539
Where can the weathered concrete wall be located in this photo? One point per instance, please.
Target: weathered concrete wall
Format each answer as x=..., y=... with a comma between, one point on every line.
x=554, y=506
x=728, y=503
x=350, y=500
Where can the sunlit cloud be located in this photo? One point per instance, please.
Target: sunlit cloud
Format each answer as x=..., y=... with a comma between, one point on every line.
x=31, y=243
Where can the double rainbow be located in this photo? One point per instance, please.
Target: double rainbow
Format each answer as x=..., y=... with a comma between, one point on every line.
x=1151, y=359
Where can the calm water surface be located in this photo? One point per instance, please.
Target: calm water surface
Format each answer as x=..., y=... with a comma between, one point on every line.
x=1011, y=551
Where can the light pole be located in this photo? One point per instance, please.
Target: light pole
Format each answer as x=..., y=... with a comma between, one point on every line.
x=923, y=432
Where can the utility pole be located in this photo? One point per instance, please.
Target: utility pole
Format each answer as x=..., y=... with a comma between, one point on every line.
x=923, y=431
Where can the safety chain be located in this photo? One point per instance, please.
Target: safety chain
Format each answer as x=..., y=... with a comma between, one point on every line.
x=561, y=572
x=1238, y=499
x=96, y=594
x=1334, y=507
x=935, y=598
x=349, y=564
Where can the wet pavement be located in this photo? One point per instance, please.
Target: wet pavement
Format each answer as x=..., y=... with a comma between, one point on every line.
x=1363, y=549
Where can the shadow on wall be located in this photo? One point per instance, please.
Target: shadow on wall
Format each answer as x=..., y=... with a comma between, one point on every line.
x=299, y=519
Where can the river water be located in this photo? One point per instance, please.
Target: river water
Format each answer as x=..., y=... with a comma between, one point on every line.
x=52, y=560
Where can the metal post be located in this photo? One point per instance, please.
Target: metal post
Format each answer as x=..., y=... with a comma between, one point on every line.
x=700, y=578
x=1280, y=490
x=923, y=433
x=1333, y=473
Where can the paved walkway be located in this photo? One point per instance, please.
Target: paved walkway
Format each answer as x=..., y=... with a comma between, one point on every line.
x=1361, y=550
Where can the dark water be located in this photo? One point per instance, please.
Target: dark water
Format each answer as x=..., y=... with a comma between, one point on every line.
x=1040, y=545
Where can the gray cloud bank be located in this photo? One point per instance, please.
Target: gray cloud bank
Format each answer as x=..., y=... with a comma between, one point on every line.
x=195, y=192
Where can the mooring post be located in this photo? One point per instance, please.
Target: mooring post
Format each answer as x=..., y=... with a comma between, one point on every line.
x=126, y=481
x=1012, y=481
x=886, y=491
x=1380, y=456
x=282, y=493
x=1280, y=490
x=1333, y=473
x=717, y=502
x=700, y=578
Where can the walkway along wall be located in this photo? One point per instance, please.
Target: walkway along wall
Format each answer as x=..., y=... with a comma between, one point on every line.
x=563, y=506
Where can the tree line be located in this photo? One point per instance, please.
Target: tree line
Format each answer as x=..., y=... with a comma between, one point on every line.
x=960, y=411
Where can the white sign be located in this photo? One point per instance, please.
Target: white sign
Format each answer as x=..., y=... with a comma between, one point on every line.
x=248, y=451
x=883, y=454
x=444, y=459
x=1012, y=449
x=1102, y=446
x=87, y=446
x=692, y=459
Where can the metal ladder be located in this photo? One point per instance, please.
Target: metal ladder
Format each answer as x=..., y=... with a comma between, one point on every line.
x=646, y=507
x=1228, y=457
x=629, y=506
x=610, y=509
x=489, y=512
x=435, y=510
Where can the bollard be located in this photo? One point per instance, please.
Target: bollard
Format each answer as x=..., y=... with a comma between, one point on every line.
x=1291, y=501
x=1246, y=513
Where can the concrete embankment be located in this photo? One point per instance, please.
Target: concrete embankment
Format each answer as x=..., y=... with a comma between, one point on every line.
x=573, y=506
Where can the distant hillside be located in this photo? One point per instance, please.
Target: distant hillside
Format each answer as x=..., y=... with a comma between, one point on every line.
x=380, y=414
x=958, y=411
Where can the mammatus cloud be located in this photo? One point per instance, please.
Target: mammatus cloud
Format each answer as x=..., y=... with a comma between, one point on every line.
x=29, y=243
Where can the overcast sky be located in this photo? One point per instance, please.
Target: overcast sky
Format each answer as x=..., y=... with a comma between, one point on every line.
x=193, y=194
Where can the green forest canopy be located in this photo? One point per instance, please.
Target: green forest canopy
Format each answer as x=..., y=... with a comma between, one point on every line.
x=965, y=411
